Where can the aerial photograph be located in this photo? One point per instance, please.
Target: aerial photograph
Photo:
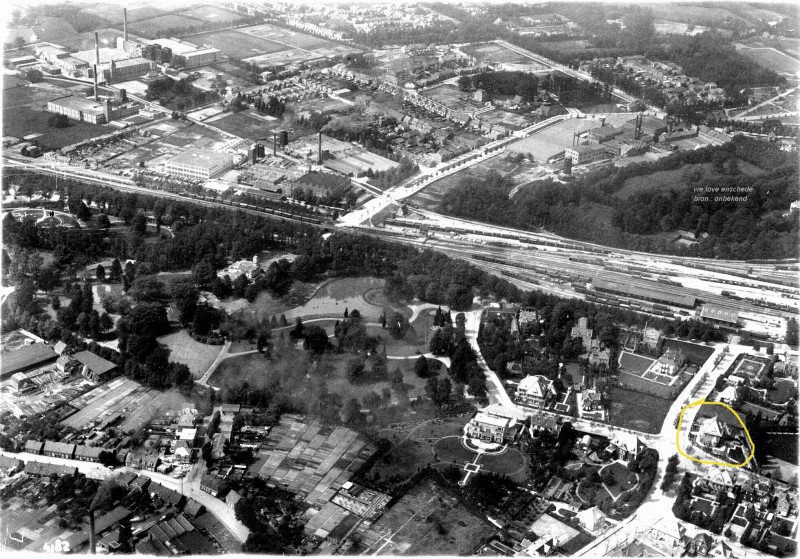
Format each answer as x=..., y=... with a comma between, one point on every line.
x=421, y=278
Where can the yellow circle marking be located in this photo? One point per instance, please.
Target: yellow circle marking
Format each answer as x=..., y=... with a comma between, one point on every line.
x=713, y=462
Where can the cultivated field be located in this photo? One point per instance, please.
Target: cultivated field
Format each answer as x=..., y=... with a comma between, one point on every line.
x=236, y=43
x=427, y=520
x=215, y=14
x=699, y=15
x=677, y=28
x=492, y=52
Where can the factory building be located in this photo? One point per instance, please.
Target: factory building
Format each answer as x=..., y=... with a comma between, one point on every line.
x=124, y=70
x=198, y=164
x=581, y=155
x=91, y=111
x=201, y=57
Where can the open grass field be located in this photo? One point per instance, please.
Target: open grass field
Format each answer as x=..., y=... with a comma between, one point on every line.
x=635, y=410
x=153, y=27
x=236, y=43
x=215, y=14
x=183, y=349
x=771, y=59
x=574, y=45
x=677, y=28
x=696, y=14
x=511, y=463
x=289, y=37
x=250, y=125
x=427, y=520
x=664, y=180
x=624, y=479
x=492, y=52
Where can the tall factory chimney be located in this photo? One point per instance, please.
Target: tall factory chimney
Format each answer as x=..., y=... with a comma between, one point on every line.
x=125, y=24
x=91, y=532
x=319, y=148
x=274, y=144
x=96, y=94
x=97, y=47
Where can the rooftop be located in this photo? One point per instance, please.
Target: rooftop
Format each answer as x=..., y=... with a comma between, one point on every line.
x=26, y=357
x=95, y=363
x=202, y=158
x=722, y=314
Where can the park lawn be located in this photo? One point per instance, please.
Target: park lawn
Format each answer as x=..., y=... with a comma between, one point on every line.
x=377, y=297
x=635, y=410
x=511, y=463
x=451, y=449
x=624, y=479
x=412, y=345
x=403, y=461
x=183, y=349
x=333, y=298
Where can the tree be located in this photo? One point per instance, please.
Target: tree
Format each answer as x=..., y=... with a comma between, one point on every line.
x=792, y=332
x=421, y=367
x=115, y=272
x=100, y=273
x=106, y=323
x=58, y=121
x=315, y=339
x=355, y=369
x=47, y=279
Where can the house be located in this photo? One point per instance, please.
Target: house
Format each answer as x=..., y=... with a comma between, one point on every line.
x=627, y=446
x=141, y=482
x=651, y=337
x=142, y=461
x=534, y=391
x=88, y=453
x=95, y=368
x=543, y=423
x=166, y=495
x=592, y=519
x=784, y=504
x=600, y=357
x=193, y=509
x=668, y=364
x=731, y=395
x=10, y=466
x=488, y=427
x=34, y=468
x=34, y=447
x=213, y=485
x=700, y=545
x=712, y=432
x=125, y=479
x=583, y=332
x=722, y=550
x=183, y=452
x=58, y=450
x=592, y=399
x=64, y=363
x=232, y=498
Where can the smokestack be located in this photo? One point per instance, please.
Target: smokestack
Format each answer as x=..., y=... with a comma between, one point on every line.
x=97, y=47
x=274, y=144
x=96, y=94
x=91, y=532
x=125, y=24
x=319, y=148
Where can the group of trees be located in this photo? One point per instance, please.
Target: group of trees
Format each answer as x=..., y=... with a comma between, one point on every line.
x=180, y=94
x=754, y=228
x=451, y=341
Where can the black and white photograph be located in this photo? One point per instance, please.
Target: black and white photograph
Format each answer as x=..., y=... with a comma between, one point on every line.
x=400, y=277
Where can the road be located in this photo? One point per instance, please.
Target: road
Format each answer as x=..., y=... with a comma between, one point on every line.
x=190, y=486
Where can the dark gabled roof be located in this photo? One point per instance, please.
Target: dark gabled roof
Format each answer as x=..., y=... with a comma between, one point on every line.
x=96, y=364
x=26, y=357
x=323, y=180
x=193, y=508
x=141, y=481
x=127, y=477
x=60, y=448
x=43, y=469
x=88, y=451
x=33, y=446
x=211, y=482
x=7, y=462
x=165, y=494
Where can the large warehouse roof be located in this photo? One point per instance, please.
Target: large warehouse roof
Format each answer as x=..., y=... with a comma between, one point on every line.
x=26, y=357
x=655, y=293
